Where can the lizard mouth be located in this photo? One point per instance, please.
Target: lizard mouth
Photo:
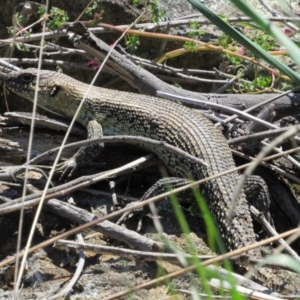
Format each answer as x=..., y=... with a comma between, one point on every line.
x=21, y=84
x=16, y=87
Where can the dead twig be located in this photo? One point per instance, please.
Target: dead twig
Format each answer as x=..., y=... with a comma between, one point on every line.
x=67, y=289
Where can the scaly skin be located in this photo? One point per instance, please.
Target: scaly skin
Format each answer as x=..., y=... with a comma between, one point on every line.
x=117, y=112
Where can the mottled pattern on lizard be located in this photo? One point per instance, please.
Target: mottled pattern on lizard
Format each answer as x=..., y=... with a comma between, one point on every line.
x=117, y=112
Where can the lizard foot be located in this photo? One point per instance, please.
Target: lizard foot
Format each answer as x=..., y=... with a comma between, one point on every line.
x=161, y=186
x=66, y=168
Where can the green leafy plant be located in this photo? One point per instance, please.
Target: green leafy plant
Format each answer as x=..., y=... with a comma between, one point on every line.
x=56, y=18
x=136, y=2
x=156, y=12
x=235, y=60
x=19, y=19
x=263, y=81
x=10, y=30
x=42, y=10
x=22, y=47
x=257, y=51
x=132, y=43
x=265, y=41
x=285, y=86
x=92, y=9
x=224, y=40
x=191, y=46
x=195, y=32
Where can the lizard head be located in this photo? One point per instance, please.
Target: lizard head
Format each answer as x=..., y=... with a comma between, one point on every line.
x=52, y=94
x=24, y=82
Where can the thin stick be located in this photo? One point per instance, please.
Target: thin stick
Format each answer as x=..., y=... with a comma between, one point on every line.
x=271, y=231
x=218, y=106
x=184, y=271
x=128, y=253
x=66, y=290
x=63, y=190
x=107, y=139
x=265, y=151
x=122, y=211
x=87, y=180
x=19, y=273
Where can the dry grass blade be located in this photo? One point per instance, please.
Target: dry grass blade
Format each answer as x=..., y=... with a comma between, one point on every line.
x=146, y=256
x=122, y=211
x=265, y=151
x=219, y=258
x=19, y=272
x=272, y=232
x=72, y=186
x=216, y=106
x=80, y=265
x=244, y=291
x=30, y=237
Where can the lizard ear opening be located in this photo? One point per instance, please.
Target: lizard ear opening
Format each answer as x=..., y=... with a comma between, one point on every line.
x=54, y=90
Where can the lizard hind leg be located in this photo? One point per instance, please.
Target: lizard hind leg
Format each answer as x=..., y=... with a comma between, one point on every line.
x=161, y=186
x=258, y=195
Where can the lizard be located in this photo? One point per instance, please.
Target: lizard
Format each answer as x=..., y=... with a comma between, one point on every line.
x=112, y=112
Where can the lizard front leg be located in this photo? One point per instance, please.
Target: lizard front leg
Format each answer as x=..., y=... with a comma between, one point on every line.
x=84, y=154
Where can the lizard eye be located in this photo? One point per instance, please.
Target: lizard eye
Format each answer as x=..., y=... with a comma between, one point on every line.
x=27, y=78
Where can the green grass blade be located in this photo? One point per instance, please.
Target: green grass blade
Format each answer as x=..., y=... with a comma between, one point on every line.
x=251, y=46
x=269, y=28
x=282, y=259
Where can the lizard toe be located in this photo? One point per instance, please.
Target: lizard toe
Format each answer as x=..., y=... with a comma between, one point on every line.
x=67, y=168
